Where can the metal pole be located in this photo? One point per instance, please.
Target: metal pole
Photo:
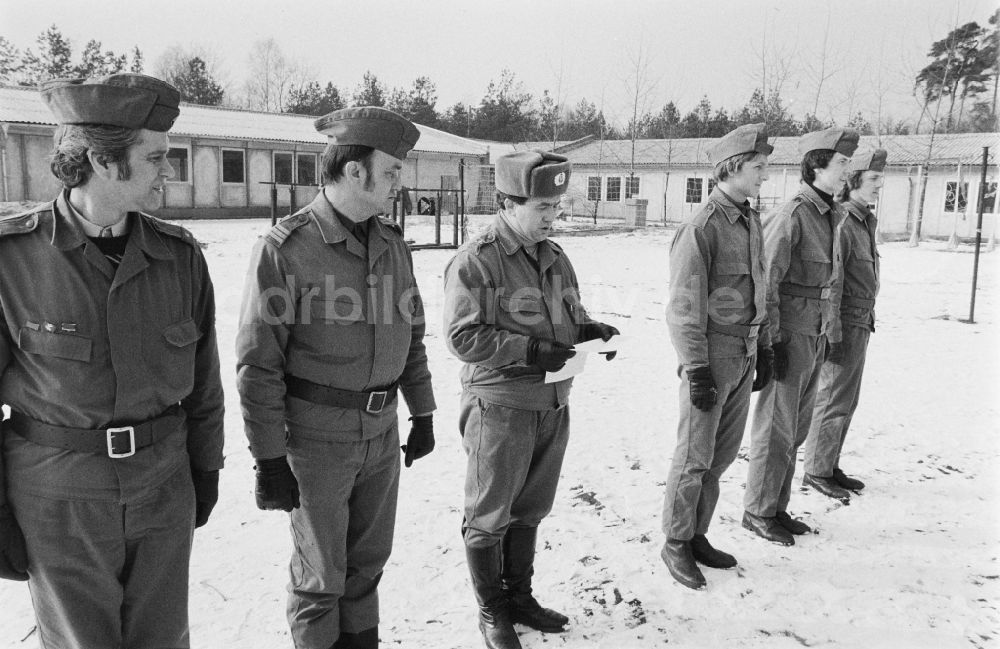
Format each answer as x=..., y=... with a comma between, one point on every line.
x=274, y=203
x=461, y=198
x=437, y=220
x=291, y=199
x=979, y=238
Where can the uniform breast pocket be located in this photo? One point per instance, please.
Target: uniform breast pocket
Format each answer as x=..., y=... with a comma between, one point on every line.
x=336, y=327
x=730, y=291
x=863, y=260
x=522, y=311
x=817, y=266
x=66, y=346
x=176, y=367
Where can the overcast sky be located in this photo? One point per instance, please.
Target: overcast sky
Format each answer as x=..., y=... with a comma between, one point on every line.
x=586, y=47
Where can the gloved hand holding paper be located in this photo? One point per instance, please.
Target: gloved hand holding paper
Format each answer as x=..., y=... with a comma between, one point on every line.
x=576, y=364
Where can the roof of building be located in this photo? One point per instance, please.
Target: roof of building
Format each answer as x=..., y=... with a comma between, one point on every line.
x=24, y=105
x=949, y=148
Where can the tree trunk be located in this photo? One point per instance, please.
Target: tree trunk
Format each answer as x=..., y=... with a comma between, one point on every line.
x=918, y=221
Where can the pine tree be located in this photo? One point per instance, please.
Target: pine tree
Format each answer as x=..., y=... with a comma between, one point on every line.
x=371, y=92
x=197, y=86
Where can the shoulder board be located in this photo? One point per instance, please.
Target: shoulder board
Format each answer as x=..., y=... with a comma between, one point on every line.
x=487, y=237
x=788, y=207
x=24, y=222
x=170, y=229
x=392, y=225
x=700, y=218
x=279, y=233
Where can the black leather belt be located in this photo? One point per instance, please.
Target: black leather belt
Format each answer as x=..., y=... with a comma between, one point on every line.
x=324, y=395
x=737, y=330
x=857, y=302
x=808, y=292
x=115, y=441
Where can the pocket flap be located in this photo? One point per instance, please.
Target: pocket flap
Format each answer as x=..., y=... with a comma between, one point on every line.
x=520, y=305
x=343, y=308
x=864, y=254
x=69, y=346
x=182, y=334
x=813, y=254
x=731, y=268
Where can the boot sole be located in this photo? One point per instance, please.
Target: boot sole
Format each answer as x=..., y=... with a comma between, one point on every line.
x=543, y=629
x=790, y=542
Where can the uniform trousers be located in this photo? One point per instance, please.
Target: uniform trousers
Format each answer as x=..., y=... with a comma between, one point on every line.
x=780, y=425
x=342, y=534
x=707, y=444
x=106, y=574
x=514, y=458
x=836, y=400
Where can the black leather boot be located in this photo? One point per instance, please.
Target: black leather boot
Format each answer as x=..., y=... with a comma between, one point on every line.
x=367, y=639
x=494, y=611
x=705, y=554
x=846, y=481
x=680, y=562
x=828, y=487
x=518, y=568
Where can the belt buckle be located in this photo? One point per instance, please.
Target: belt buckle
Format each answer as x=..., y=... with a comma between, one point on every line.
x=113, y=435
x=754, y=330
x=824, y=294
x=381, y=396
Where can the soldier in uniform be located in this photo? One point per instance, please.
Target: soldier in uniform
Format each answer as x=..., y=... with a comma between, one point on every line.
x=803, y=264
x=716, y=317
x=109, y=364
x=513, y=313
x=331, y=329
x=840, y=379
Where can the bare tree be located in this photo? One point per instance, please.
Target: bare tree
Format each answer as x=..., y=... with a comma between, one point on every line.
x=639, y=88
x=271, y=77
x=772, y=64
x=825, y=69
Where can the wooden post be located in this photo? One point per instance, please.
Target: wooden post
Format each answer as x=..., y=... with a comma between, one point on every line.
x=979, y=239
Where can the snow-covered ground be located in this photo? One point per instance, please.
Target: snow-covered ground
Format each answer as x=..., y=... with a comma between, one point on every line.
x=913, y=562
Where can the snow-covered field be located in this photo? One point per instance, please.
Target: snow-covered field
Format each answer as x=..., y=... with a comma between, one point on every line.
x=913, y=562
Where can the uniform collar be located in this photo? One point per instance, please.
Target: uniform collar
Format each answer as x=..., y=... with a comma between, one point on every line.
x=822, y=206
x=67, y=232
x=330, y=227
x=90, y=229
x=859, y=210
x=333, y=231
x=728, y=205
x=511, y=242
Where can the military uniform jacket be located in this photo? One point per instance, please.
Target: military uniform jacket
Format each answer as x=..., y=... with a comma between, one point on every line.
x=320, y=307
x=799, y=249
x=717, y=279
x=496, y=299
x=859, y=283
x=84, y=346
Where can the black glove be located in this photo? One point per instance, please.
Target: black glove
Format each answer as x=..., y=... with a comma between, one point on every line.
x=764, y=369
x=549, y=355
x=780, y=360
x=420, y=441
x=206, y=494
x=703, y=392
x=13, y=554
x=834, y=353
x=276, y=485
x=595, y=330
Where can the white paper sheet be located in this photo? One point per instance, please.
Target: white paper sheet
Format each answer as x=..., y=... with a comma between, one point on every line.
x=576, y=364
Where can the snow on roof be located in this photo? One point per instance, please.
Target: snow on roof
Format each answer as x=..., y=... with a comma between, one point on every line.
x=949, y=148
x=25, y=105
